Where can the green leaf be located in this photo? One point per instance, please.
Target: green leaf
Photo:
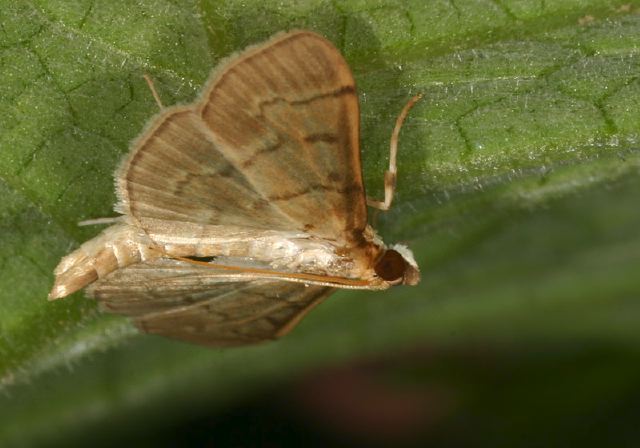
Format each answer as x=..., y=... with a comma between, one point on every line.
x=518, y=186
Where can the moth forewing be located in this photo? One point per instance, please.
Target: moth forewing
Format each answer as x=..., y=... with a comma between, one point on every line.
x=245, y=209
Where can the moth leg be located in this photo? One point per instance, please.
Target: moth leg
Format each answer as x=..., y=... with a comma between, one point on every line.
x=391, y=174
x=100, y=221
x=153, y=90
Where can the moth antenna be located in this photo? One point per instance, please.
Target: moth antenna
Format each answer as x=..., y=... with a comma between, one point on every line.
x=391, y=174
x=153, y=90
x=267, y=272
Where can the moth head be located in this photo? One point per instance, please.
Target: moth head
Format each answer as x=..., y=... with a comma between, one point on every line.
x=398, y=266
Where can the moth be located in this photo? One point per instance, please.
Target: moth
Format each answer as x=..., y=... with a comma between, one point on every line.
x=245, y=209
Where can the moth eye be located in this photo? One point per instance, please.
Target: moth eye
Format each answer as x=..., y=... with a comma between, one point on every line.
x=391, y=266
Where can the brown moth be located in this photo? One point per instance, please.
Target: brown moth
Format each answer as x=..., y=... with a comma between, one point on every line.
x=244, y=210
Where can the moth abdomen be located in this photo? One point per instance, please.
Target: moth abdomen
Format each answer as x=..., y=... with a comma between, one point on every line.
x=116, y=247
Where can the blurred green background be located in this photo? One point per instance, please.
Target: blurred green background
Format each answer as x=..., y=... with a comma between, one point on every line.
x=519, y=186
